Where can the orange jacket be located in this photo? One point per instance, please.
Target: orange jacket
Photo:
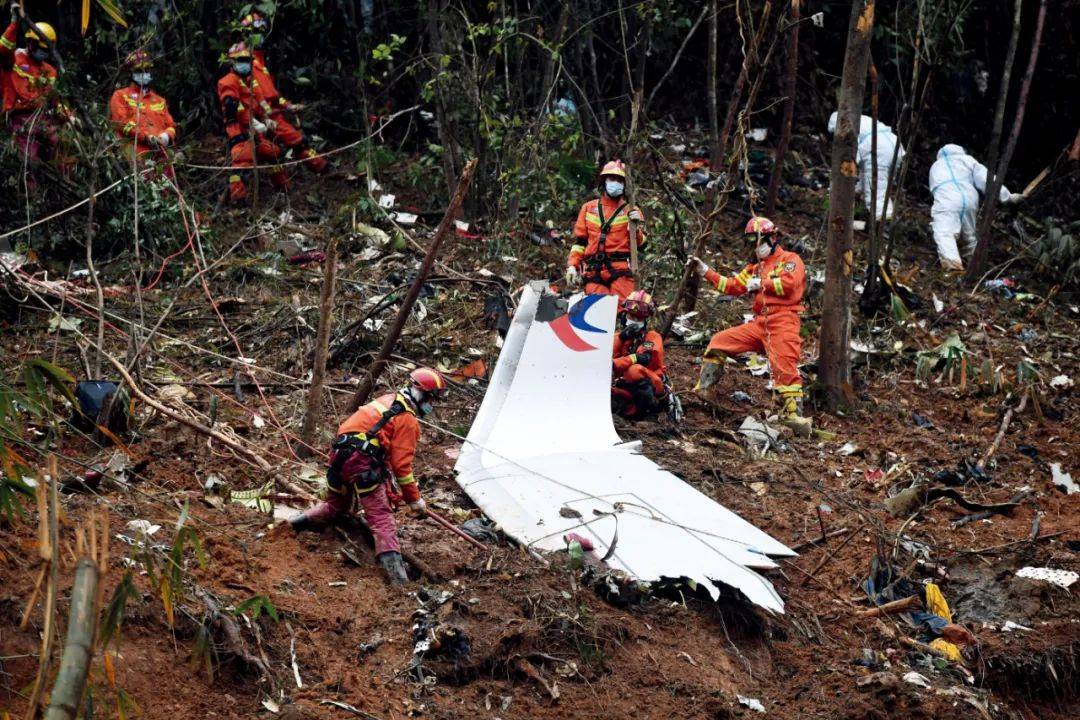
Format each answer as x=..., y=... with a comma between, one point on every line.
x=398, y=438
x=263, y=82
x=627, y=353
x=233, y=89
x=138, y=114
x=590, y=221
x=783, y=281
x=26, y=83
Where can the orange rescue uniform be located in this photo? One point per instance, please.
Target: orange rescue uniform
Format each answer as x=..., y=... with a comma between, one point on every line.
x=240, y=102
x=27, y=84
x=398, y=438
x=138, y=114
x=775, y=327
x=601, y=251
x=275, y=106
x=637, y=368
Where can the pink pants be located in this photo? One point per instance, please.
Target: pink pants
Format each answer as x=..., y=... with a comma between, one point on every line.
x=377, y=512
x=34, y=135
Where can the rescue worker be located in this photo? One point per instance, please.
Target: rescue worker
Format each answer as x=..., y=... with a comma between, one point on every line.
x=600, y=256
x=375, y=443
x=637, y=366
x=28, y=83
x=253, y=27
x=139, y=116
x=247, y=124
x=956, y=181
x=778, y=280
x=887, y=143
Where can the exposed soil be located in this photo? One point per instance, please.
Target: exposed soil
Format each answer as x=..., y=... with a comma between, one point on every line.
x=521, y=639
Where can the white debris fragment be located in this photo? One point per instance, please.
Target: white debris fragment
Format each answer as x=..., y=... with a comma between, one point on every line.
x=387, y=201
x=1011, y=626
x=752, y=703
x=1061, y=381
x=938, y=305
x=144, y=527
x=849, y=448
x=1061, y=578
x=1063, y=479
x=758, y=134
x=405, y=218
x=917, y=679
x=758, y=433
x=258, y=422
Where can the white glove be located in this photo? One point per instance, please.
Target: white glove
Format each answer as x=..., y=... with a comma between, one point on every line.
x=635, y=215
x=573, y=277
x=753, y=284
x=164, y=139
x=1015, y=198
x=699, y=265
x=271, y=124
x=257, y=126
x=418, y=508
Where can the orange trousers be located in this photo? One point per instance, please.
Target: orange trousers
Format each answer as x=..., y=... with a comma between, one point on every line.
x=774, y=331
x=604, y=284
x=243, y=155
x=291, y=137
x=639, y=390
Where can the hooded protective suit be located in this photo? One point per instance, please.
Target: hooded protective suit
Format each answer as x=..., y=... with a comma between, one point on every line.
x=956, y=180
x=886, y=145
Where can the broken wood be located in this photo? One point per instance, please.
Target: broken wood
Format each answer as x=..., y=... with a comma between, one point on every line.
x=322, y=345
x=444, y=229
x=530, y=671
x=815, y=541
x=831, y=556
x=1001, y=432
x=66, y=699
x=895, y=606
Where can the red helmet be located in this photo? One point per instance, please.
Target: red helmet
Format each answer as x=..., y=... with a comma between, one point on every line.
x=239, y=50
x=138, y=60
x=760, y=225
x=252, y=21
x=639, y=304
x=429, y=381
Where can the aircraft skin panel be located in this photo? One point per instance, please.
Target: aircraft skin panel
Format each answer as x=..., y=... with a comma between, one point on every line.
x=543, y=459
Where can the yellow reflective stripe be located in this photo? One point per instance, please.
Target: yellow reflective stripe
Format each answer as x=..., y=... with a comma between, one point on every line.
x=721, y=284
x=592, y=218
x=743, y=277
x=778, y=287
x=579, y=249
x=789, y=390
x=44, y=79
x=234, y=178
x=407, y=480
x=379, y=406
x=7, y=43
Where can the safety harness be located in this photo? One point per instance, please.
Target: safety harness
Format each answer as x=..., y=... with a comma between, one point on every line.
x=595, y=264
x=366, y=443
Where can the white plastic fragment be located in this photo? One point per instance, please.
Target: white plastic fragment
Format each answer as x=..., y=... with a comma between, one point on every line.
x=758, y=433
x=405, y=218
x=917, y=679
x=387, y=201
x=258, y=422
x=752, y=703
x=849, y=448
x=1063, y=479
x=1010, y=626
x=143, y=527
x=1061, y=578
x=1061, y=381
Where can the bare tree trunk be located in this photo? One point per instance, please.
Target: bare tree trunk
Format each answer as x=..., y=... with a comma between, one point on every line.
x=834, y=363
x=714, y=113
x=100, y=293
x=977, y=264
x=322, y=343
x=790, y=76
x=444, y=229
x=444, y=126
x=749, y=61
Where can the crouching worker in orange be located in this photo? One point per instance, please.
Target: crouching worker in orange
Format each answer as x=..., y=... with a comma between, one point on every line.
x=600, y=256
x=637, y=365
x=140, y=116
x=254, y=28
x=247, y=124
x=375, y=443
x=778, y=280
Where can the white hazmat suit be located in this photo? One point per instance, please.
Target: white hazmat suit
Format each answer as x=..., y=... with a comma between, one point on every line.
x=887, y=143
x=956, y=180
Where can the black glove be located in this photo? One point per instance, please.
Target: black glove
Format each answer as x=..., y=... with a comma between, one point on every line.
x=644, y=357
x=628, y=334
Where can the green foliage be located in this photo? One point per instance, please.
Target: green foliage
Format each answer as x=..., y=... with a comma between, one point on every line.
x=947, y=357
x=114, y=611
x=255, y=606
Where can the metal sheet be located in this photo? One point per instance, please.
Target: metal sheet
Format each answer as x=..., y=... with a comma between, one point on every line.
x=542, y=459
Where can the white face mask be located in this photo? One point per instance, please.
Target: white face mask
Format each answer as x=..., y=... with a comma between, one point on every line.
x=142, y=79
x=613, y=188
x=763, y=250
x=242, y=68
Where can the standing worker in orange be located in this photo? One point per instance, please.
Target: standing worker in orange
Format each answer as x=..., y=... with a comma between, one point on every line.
x=376, y=442
x=247, y=124
x=28, y=83
x=140, y=116
x=253, y=27
x=600, y=256
x=637, y=364
x=778, y=280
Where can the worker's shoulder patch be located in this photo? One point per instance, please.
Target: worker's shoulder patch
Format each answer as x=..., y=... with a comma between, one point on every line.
x=789, y=266
x=648, y=345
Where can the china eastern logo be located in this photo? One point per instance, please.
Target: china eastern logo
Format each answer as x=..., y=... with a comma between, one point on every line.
x=567, y=325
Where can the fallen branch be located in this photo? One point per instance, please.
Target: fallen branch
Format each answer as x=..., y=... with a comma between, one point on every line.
x=891, y=607
x=1001, y=432
x=234, y=642
x=832, y=556
x=811, y=543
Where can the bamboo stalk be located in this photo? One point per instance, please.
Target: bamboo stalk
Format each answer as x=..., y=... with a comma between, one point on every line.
x=49, y=542
x=82, y=623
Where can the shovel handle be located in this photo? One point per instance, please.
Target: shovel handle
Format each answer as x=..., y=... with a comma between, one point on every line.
x=455, y=529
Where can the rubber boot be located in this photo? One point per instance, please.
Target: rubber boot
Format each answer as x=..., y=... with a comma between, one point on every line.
x=314, y=162
x=394, y=567
x=710, y=373
x=300, y=522
x=792, y=417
